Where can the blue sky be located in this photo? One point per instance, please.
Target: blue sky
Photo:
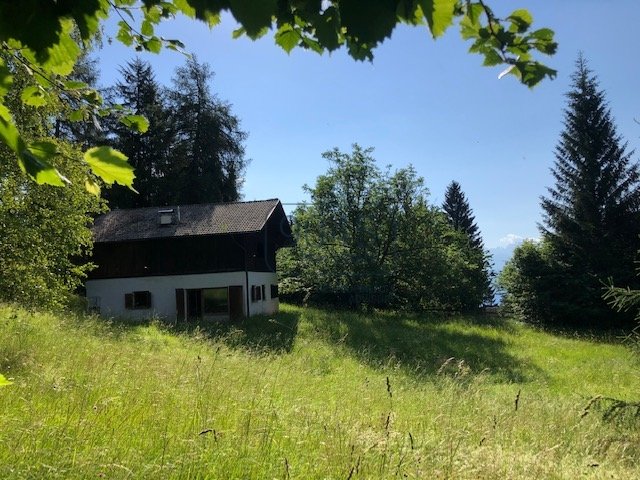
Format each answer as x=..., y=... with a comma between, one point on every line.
x=421, y=102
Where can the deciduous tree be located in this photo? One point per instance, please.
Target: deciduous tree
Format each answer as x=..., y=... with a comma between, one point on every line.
x=370, y=237
x=44, y=230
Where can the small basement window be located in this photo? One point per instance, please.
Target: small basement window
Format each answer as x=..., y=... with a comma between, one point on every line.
x=256, y=293
x=215, y=301
x=137, y=300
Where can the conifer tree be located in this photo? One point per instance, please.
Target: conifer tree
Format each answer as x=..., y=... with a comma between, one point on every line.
x=139, y=91
x=592, y=213
x=459, y=213
x=208, y=162
x=460, y=217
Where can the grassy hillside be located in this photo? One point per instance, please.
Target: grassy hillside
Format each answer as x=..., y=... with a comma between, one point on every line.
x=311, y=394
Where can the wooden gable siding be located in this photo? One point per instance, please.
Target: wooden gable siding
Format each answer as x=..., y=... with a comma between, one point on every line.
x=169, y=256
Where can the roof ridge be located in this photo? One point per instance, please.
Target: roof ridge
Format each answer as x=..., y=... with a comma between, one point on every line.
x=234, y=202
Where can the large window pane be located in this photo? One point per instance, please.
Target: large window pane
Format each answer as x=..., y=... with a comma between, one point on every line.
x=215, y=301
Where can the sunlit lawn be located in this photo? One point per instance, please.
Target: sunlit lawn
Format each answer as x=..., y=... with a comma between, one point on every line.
x=311, y=394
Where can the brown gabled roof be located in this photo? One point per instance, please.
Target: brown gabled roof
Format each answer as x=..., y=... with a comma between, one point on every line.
x=202, y=219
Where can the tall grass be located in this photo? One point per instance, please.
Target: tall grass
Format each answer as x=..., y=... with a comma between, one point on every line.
x=310, y=394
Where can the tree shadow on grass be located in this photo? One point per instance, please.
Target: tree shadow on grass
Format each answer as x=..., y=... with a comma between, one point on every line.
x=421, y=346
x=260, y=333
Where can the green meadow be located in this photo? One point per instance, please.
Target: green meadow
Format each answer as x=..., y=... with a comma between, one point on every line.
x=313, y=394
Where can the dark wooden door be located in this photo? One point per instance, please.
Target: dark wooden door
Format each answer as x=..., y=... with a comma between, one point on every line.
x=179, y=304
x=236, y=302
x=194, y=303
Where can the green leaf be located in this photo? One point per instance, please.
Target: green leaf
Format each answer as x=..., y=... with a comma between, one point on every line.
x=521, y=20
x=6, y=79
x=152, y=15
x=254, y=15
x=92, y=96
x=154, y=45
x=532, y=73
x=368, y=25
x=76, y=116
x=238, y=32
x=287, y=37
x=92, y=187
x=35, y=162
x=110, y=165
x=439, y=14
x=74, y=85
x=175, y=44
x=135, y=122
x=61, y=57
x=312, y=44
x=34, y=96
x=327, y=29
x=491, y=58
x=3, y=381
x=9, y=134
x=124, y=33
x=147, y=28
x=205, y=10
x=5, y=113
x=544, y=34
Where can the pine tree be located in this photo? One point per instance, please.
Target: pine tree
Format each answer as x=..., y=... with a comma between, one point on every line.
x=592, y=213
x=148, y=152
x=460, y=216
x=207, y=163
x=459, y=213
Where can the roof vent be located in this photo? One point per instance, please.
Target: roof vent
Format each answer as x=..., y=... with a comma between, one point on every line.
x=165, y=217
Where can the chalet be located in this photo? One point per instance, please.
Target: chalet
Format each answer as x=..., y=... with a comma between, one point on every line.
x=188, y=261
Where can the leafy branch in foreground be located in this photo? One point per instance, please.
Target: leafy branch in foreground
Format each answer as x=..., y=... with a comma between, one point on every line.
x=47, y=36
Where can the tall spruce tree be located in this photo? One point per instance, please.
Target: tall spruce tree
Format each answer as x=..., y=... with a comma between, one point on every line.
x=207, y=163
x=148, y=152
x=461, y=218
x=459, y=213
x=592, y=213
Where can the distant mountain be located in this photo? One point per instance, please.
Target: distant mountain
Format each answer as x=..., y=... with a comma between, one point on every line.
x=501, y=255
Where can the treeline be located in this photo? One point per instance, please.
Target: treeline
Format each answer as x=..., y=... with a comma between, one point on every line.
x=193, y=150
x=591, y=224
x=370, y=237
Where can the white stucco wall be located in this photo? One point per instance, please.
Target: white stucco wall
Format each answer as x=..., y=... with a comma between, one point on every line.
x=108, y=294
x=267, y=305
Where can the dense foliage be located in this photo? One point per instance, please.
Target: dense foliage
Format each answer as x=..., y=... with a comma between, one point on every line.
x=192, y=151
x=591, y=218
x=370, y=237
x=44, y=229
x=47, y=37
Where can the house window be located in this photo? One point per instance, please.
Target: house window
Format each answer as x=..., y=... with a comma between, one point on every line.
x=274, y=291
x=215, y=301
x=256, y=293
x=264, y=296
x=137, y=300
